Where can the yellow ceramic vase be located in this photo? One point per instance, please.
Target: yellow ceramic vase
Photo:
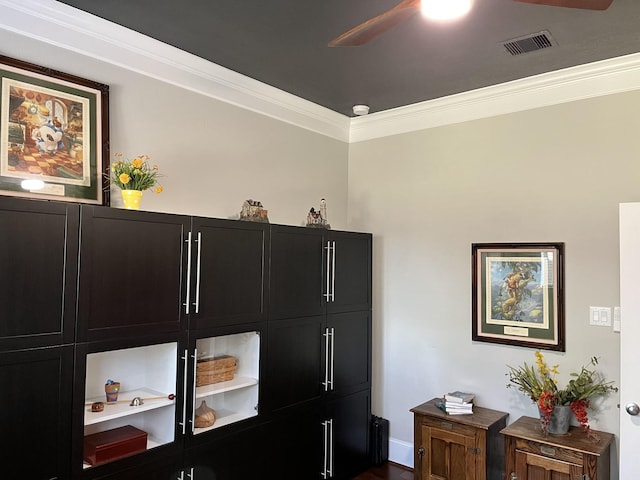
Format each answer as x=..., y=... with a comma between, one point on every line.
x=131, y=199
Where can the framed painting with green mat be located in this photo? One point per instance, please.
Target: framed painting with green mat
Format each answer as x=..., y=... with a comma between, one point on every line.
x=54, y=130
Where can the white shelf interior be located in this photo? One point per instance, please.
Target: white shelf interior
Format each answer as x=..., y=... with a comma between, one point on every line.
x=146, y=372
x=237, y=399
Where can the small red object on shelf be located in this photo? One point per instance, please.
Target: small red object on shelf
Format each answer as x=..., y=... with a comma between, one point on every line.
x=103, y=447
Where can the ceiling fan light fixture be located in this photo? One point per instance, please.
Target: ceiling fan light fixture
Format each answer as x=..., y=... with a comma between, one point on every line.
x=444, y=9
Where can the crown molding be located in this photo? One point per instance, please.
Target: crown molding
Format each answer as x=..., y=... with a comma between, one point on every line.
x=606, y=77
x=71, y=29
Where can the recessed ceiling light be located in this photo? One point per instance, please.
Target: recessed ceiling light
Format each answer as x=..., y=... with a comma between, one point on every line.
x=444, y=9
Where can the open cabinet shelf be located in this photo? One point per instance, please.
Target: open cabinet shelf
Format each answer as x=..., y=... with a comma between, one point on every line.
x=147, y=372
x=236, y=399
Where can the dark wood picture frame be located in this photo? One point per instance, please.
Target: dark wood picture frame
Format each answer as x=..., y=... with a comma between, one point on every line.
x=55, y=129
x=518, y=294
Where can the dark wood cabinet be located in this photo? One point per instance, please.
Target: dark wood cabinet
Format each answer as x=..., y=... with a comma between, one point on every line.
x=38, y=272
x=231, y=457
x=350, y=351
x=458, y=447
x=295, y=362
x=348, y=449
x=297, y=285
x=315, y=271
x=131, y=278
x=35, y=412
x=349, y=271
x=91, y=293
x=295, y=444
x=320, y=340
x=229, y=270
x=532, y=455
x=164, y=468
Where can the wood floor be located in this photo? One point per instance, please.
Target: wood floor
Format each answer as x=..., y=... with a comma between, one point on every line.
x=387, y=471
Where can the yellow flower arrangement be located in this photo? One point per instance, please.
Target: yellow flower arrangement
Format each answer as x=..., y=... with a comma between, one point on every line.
x=540, y=383
x=135, y=174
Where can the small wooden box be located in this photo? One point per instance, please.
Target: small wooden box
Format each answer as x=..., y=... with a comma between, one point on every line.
x=103, y=447
x=214, y=370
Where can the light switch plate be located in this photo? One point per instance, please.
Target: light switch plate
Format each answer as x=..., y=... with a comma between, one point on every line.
x=600, y=316
x=616, y=319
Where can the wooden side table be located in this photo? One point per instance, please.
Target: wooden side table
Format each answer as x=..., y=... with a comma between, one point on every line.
x=458, y=446
x=530, y=454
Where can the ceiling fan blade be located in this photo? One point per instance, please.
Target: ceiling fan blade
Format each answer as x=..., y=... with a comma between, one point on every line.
x=585, y=4
x=370, y=29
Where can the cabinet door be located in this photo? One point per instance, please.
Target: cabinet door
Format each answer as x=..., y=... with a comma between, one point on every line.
x=297, y=278
x=295, y=446
x=131, y=273
x=147, y=368
x=226, y=377
x=350, y=362
x=35, y=413
x=350, y=419
x=536, y=467
x=350, y=271
x=447, y=455
x=228, y=272
x=162, y=469
x=235, y=457
x=295, y=362
x=38, y=271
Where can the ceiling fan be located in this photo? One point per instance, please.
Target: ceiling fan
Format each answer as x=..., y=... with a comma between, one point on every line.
x=370, y=29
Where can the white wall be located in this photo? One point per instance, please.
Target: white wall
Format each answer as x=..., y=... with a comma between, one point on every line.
x=553, y=174
x=213, y=155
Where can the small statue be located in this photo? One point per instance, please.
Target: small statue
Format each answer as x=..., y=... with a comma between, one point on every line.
x=318, y=218
x=252, y=211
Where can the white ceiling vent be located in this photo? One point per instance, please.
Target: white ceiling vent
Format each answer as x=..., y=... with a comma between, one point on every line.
x=529, y=43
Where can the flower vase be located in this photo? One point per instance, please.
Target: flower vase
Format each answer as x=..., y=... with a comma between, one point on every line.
x=559, y=421
x=131, y=199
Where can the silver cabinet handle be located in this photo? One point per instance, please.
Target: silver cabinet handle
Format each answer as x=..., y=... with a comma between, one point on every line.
x=330, y=470
x=333, y=271
x=193, y=409
x=184, y=394
x=188, y=294
x=333, y=336
x=327, y=295
x=325, y=445
x=327, y=461
x=197, y=303
x=326, y=359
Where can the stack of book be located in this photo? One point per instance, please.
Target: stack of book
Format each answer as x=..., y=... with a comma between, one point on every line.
x=458, y=403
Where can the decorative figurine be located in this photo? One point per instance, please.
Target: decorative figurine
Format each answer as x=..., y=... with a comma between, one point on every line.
x=318, y=219
x=252, y=211
x=112, y=388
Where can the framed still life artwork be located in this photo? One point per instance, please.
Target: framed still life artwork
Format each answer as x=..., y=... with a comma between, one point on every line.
x=54, y=130
x=518, y=294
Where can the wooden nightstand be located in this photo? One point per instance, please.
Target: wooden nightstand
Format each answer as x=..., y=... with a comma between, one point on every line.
x=530, y=454
x=458, y=446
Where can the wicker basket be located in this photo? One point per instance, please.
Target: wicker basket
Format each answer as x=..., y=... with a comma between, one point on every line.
x=216, y=369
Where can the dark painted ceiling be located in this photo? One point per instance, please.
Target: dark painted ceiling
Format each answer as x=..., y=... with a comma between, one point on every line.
x=283, y=43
